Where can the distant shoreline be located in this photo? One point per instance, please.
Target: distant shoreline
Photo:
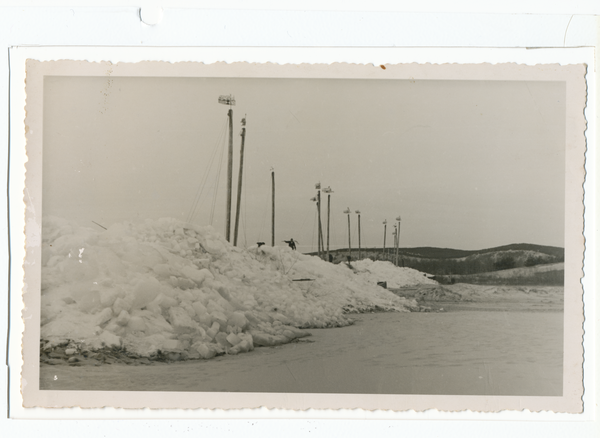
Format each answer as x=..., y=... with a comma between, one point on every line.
x=450, y=264
x=541, y=275
x=462, y=296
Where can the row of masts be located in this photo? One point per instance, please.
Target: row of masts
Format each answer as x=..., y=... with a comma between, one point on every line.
x=323, y=251
x=230, y=100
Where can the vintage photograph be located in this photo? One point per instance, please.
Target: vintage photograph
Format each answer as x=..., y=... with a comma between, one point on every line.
x=288, y=230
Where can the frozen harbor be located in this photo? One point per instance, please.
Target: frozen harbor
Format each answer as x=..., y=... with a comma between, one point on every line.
x=509, y=351
x=166, y=287
x=165, y=306
x=150, y=284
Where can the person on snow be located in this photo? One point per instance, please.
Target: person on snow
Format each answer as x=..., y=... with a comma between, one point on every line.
x=291, y=243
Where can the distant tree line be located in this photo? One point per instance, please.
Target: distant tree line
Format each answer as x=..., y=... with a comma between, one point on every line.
x=477, y=263
x=549, y=278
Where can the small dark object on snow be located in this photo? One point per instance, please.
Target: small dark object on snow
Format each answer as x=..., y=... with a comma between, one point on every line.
x=260, y=244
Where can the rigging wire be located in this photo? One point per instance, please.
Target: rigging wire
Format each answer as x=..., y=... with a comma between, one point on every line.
x=332, y=238
x=244, y=216
x=312, y=241
x=262, y=223
x=192, y=213
x=355, y=235
x=202, y=184
x=304, y=221
x=243, y=224
x=218, y=177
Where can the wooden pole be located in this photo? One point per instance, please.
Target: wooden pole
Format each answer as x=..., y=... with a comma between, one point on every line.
x=239, y=191
x=320, y=229
x=395, y=245
x=229, y=176
x=396, y=248
x=349, y=241
x=328, y=211
x=359, y=236
x=399, y=222
x=273, y=208
x=384, y=232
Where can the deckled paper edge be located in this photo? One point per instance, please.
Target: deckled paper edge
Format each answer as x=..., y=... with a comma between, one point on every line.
x=574, y=239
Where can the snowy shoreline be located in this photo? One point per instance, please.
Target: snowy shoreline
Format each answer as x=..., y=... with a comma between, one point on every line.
x=169, y=289
x=70, y=352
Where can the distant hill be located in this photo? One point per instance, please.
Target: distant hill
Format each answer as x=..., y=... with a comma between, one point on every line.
x=551, y=274
x=446, y=253
x=447, y=261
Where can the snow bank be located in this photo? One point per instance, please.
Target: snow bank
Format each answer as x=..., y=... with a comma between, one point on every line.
x=393, y=275
x=166, y=286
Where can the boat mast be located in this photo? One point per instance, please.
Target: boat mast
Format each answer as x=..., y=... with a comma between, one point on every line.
x=384, y=232
x=320, y=228
x=328, y=211
x=395, y=244
x=329, y=192
x=239, y=191
x=229, y=100
x=347, y=211
x=359, y=254
x=399, y=219
x=272, y=207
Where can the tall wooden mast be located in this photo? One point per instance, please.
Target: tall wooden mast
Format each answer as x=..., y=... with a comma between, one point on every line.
x=329, y=192
x=347, y=211
x=229, y=100
x=229, y=175
x=320, y=228
x=359, y=253
x=239, y=191
x=395, y=244
x=272, y=207
x=399, y=219
x=384, y=236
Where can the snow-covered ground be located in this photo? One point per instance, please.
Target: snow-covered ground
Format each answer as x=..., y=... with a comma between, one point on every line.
x=542, y=297
x=375, y=271
x=173, y=287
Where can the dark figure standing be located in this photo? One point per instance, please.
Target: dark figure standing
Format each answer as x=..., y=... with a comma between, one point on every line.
x=291, y=243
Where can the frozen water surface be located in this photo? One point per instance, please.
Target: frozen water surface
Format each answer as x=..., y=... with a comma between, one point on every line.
x=169, y=288
x=462, y=352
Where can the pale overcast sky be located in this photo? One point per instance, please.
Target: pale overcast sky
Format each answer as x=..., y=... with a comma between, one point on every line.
x=467, y=164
